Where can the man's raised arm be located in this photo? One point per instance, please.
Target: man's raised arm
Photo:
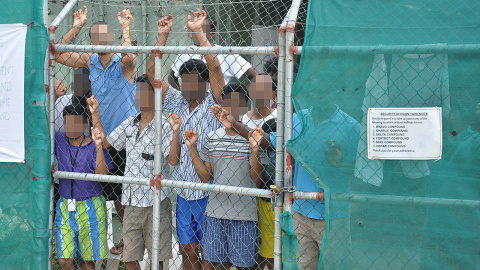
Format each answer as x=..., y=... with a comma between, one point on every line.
x=129, y=60
x=215, y=72
x=73, y=59
x=164, y=28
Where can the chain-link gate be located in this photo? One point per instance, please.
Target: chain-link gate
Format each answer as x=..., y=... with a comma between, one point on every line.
x=105, y=131
x=227, y=195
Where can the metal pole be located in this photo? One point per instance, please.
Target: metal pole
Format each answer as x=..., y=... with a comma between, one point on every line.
x=390, y=199
x=101, y=12
x=102, y=178
x=158, y=158
x=301, y=195
x=166, y=49
x=289, y=64
x=255, y=192
x=393, y=49
x=144, y=33
x=63, y=13
x=277, y=248
x=51, y=120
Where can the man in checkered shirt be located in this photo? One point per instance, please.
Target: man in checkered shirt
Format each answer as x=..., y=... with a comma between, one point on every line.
x=137, y=136
x=192, y=104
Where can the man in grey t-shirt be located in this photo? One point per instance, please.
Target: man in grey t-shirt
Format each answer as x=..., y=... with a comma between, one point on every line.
x=231, y=231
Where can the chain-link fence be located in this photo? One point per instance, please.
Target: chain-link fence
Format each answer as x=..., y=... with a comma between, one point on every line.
x=209, y=214
x=347, y=193
x=24, y=141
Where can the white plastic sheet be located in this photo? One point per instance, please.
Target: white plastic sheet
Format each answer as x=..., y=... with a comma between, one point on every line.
x=12, y=66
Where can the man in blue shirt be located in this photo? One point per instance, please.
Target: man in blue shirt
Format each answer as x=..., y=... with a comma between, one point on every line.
x=332, y=138
x=112, y=77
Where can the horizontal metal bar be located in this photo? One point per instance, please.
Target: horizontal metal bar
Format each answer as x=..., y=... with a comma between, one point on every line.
x=424, y=201
x=407, y=201
x=102, y=178
x=441, y=202
x=64, y=12
x=166, y=49
x=300, y=195
x=255, y=192
x=395, y=49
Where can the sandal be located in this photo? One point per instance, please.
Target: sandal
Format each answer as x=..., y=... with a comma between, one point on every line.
x=117, y=249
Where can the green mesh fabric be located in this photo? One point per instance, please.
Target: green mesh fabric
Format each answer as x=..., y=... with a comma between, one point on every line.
x=357, y=55
x=289, y=242
x=24, y=203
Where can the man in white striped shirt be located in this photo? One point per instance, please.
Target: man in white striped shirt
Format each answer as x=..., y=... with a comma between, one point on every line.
x=137, y=136
x=192, y=104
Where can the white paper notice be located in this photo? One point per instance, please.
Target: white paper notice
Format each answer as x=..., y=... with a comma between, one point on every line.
x=12, y=63
x=405, y=133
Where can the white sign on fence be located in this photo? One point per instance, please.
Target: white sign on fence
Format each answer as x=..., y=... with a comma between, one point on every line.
x=12, y=65
x=405, y=133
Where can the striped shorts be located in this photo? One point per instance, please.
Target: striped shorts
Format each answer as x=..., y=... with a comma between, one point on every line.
x=234, y=241
x=82, y=233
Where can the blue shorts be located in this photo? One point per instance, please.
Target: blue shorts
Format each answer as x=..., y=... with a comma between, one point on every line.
x=234, y=241
x=190, y=216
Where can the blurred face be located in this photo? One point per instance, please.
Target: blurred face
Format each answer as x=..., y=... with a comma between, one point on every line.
x=235, y=103
x=206, y=29
x=193, y=88
x=260, y=91
x=102, y=34
x=144, y=97
x=75, y=125
x=81, y=83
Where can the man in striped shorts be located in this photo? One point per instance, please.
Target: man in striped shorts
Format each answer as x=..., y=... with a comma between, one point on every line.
x=192, y=104
x=81, y=225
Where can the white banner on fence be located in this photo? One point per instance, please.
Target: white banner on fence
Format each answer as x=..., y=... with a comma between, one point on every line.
x=12, y=65
x=405, y=133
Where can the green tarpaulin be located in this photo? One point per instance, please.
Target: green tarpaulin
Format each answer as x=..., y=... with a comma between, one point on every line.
x=24, y=203
x=365, y=54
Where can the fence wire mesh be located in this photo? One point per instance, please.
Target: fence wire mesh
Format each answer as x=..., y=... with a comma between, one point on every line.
x=361, y=213
x=104, y=124
x=387, y=213
x=25, y=182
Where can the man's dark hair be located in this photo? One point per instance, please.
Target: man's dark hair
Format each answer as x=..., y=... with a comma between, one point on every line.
x=270, y=125
x=235, y=87
x=144, y=78
x=274, y=84
x=75, y=110
x=212, y=21
x=271, y=66
x=97, y=23
x=81, y=101
x=195, y=65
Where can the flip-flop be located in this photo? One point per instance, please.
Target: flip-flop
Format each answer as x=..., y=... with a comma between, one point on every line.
x=117, y=249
